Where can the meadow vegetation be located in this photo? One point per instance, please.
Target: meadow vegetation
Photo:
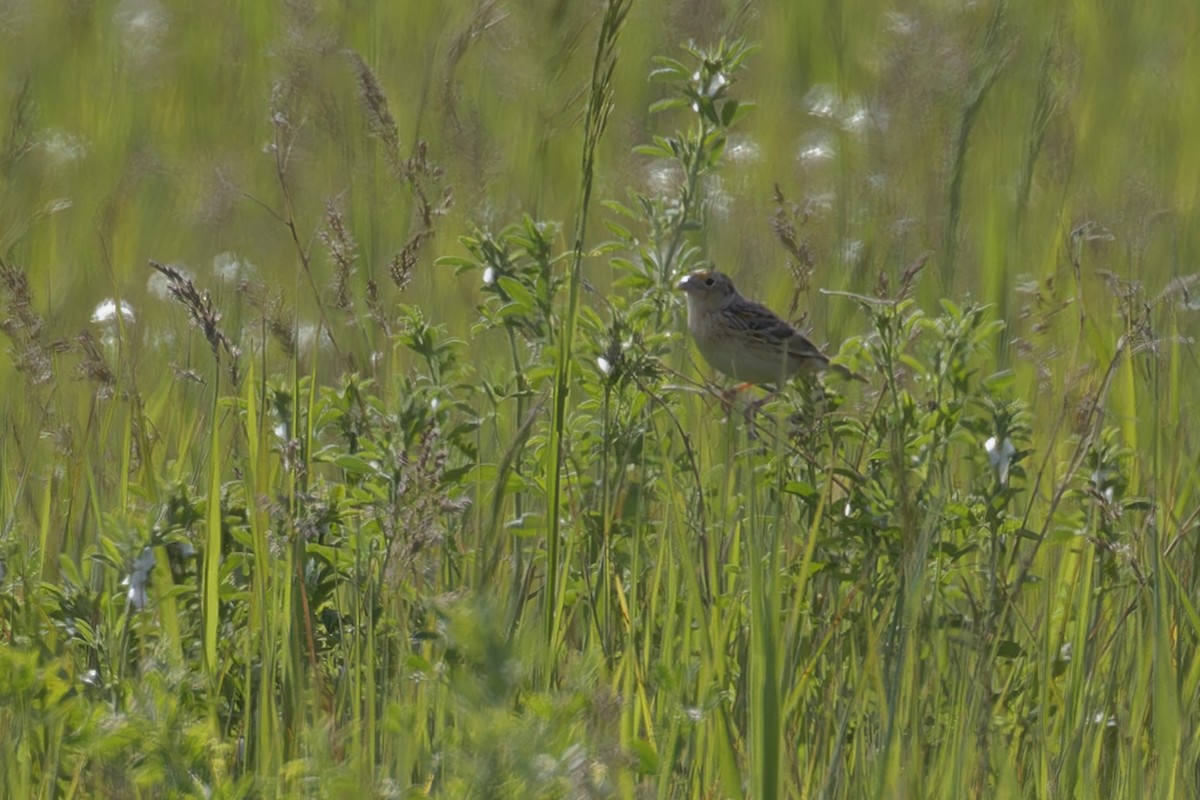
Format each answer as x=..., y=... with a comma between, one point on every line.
x=353, y=444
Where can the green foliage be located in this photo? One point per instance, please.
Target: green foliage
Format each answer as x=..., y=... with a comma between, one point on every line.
x=445, y=509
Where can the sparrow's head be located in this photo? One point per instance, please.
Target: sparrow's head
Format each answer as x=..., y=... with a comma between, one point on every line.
x=707, y=289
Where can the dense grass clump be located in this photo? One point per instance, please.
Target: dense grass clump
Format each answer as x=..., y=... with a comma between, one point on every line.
x=418, y=491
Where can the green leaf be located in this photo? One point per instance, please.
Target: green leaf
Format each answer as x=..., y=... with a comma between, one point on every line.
x=516, y=291
x=728, y=112
x=668, y=69
x=353, y=464
x=652, y=151
x=458, y=262
x=668, y=103
x=800, y=489
x=1009, y=649
x=620, y=209
x=620, y=231
x=528, y=524
x=739, y=113
x=647, y=756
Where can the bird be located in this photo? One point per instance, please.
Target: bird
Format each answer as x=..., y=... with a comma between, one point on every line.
x=745, y=340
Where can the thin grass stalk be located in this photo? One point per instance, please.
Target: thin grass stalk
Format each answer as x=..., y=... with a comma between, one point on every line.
x=262, y=737
x=596, y=118
x=168, y=607
x=210, y=585
x=1167, y=723
x=765, y=723
x=1075, y=594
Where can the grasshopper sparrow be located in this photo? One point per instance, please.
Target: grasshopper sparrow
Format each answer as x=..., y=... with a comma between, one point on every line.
x=744, y=339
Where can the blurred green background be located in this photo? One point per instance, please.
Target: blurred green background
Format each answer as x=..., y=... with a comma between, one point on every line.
x=1038, y=157
x=983, y=133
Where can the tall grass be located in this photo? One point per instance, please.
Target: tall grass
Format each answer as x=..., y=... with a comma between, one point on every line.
x=419, y=491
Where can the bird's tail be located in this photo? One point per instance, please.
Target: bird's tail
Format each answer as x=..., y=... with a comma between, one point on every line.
x=845, y=373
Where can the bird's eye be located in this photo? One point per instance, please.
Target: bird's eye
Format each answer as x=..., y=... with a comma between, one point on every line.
x=709, y=281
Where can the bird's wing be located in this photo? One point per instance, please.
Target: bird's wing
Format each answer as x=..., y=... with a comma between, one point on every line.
x=760, y=322
x=800, y=347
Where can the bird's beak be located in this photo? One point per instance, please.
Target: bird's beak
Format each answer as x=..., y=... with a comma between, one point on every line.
x=684, y=283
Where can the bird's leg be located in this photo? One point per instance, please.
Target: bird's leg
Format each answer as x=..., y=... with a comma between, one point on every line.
x=753, y=408
x=727, y=396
